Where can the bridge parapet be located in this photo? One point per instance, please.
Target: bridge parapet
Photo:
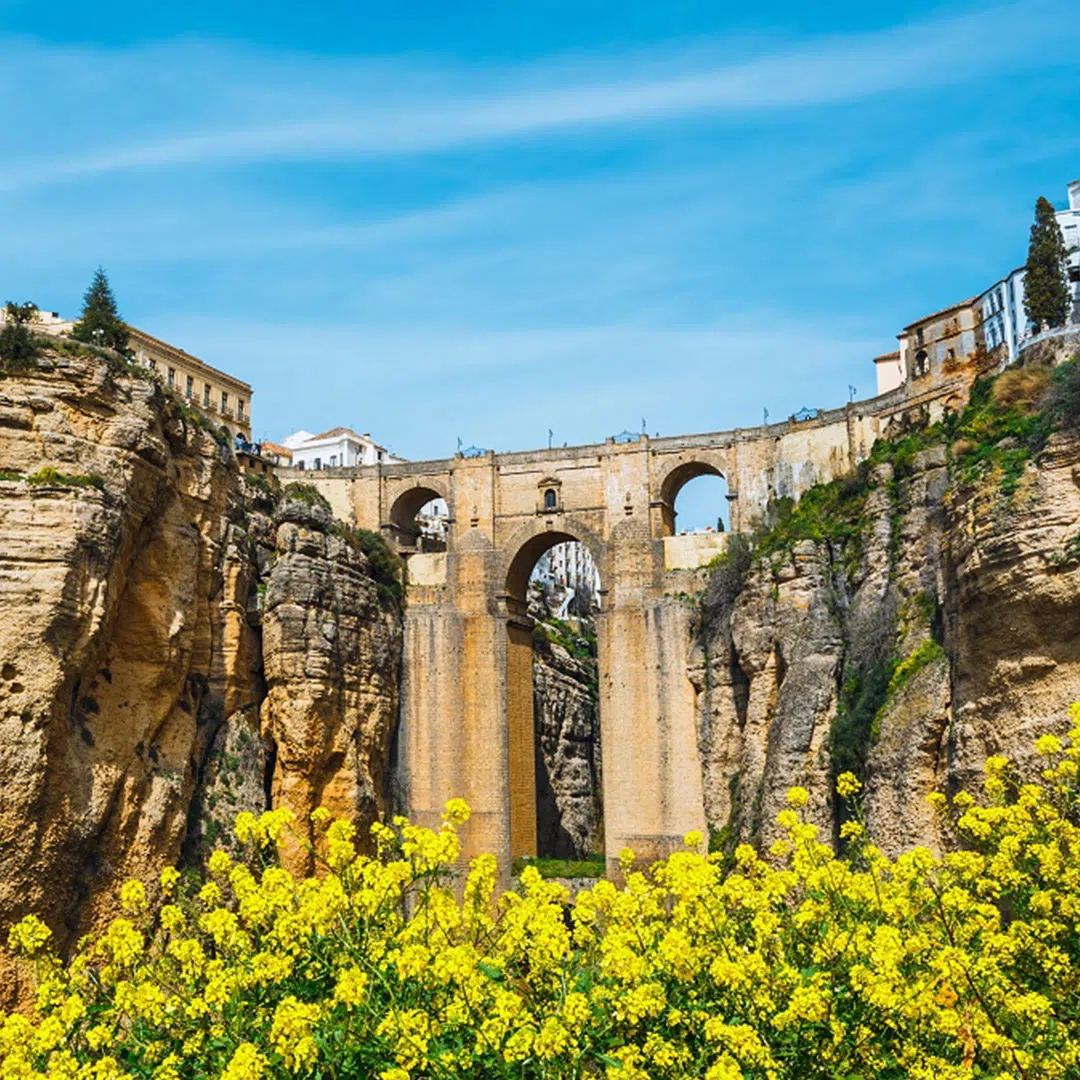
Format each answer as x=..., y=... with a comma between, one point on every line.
x=691, y=551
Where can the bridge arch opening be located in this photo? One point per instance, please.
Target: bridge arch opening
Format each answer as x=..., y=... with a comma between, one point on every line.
x=419, y=520
x=556, y=804
x=694, y=498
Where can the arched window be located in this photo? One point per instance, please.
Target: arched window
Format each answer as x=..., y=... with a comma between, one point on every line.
x=921, y=366
x=420, y=520
x=694, y=499
x=551, y=500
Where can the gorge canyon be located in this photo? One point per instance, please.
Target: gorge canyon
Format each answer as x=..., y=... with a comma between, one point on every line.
x=180, y=642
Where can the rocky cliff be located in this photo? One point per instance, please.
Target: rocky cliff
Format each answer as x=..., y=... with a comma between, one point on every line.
x=903, y=624
x=174, y=646
x=567, y=724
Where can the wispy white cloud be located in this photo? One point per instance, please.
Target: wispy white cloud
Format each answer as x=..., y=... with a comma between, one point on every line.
x=385, y=110
x=693, y=272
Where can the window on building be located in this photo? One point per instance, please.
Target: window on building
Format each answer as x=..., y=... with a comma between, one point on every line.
x=381, y=455
x=921, y=366
x=318, y=463
x=551, y=500
x=189, y=389
x=206, y=395
x=333, y=461
x=300, y=466
x=172, y=377
x=151, y=363
x=224, y=401
x=240, y=408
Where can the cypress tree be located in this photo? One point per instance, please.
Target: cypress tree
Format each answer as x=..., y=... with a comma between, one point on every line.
x=1046, y=285
x=100, y=323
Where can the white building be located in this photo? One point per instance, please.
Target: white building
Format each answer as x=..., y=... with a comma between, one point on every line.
x=1004, y=320
x=337, y=448
x=1069, y=220
x=1003, y=317
x=570, y=567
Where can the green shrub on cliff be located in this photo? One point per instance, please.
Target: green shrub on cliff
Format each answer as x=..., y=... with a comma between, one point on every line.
x=308, y=494
x=927, y=653
x=1063, y=400
x=188, y=415
x=1004, y=426
x=50, y=477
x=827, y=513
x=18, y=349
x=385, y=566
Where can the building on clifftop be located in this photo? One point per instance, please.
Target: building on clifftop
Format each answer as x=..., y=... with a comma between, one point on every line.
x=338, y=448
x=941, y=345
x=223, y=398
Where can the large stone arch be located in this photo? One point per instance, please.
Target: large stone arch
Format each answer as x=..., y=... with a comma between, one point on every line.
x=528, y=543
x=406, y=505
x=676, y=476
x=513, y=570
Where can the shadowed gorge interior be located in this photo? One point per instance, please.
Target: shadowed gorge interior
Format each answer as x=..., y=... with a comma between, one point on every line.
x=553, y=706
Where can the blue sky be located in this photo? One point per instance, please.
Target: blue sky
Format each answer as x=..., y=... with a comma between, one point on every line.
x=486, y=220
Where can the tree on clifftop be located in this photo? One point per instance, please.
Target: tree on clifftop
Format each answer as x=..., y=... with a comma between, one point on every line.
x=18, y=350
x=100, y=323
x=1046, y=286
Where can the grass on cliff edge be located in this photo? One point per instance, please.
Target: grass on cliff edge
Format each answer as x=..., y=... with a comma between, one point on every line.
x=1006, y=423
x=592, y=866
x=50, y=477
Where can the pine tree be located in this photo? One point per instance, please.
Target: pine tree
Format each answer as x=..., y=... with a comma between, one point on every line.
x=100, y=323
x=1046, y=285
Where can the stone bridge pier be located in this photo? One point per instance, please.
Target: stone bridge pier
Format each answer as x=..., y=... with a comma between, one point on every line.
x=466, y=723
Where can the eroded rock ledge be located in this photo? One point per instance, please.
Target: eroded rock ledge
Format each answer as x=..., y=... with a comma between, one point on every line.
x=173, y=647
x=952, y=634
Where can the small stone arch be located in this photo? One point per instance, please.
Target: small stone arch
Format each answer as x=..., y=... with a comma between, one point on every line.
x=402, y=525
x=674, y=481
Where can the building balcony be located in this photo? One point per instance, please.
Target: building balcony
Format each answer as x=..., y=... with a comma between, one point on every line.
x=227, y=412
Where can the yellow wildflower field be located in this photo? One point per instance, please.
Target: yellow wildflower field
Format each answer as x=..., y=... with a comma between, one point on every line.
x=792, y=963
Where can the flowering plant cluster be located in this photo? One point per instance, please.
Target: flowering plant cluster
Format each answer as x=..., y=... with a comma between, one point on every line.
x=793, y=963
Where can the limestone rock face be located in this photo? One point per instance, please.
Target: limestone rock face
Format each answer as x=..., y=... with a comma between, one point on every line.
x=332, y=661
x=135, y=714
x=977, y=596
x=566, y=716
x=570, y=811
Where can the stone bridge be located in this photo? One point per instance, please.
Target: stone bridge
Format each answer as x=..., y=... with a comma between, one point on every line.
x=466, y=726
